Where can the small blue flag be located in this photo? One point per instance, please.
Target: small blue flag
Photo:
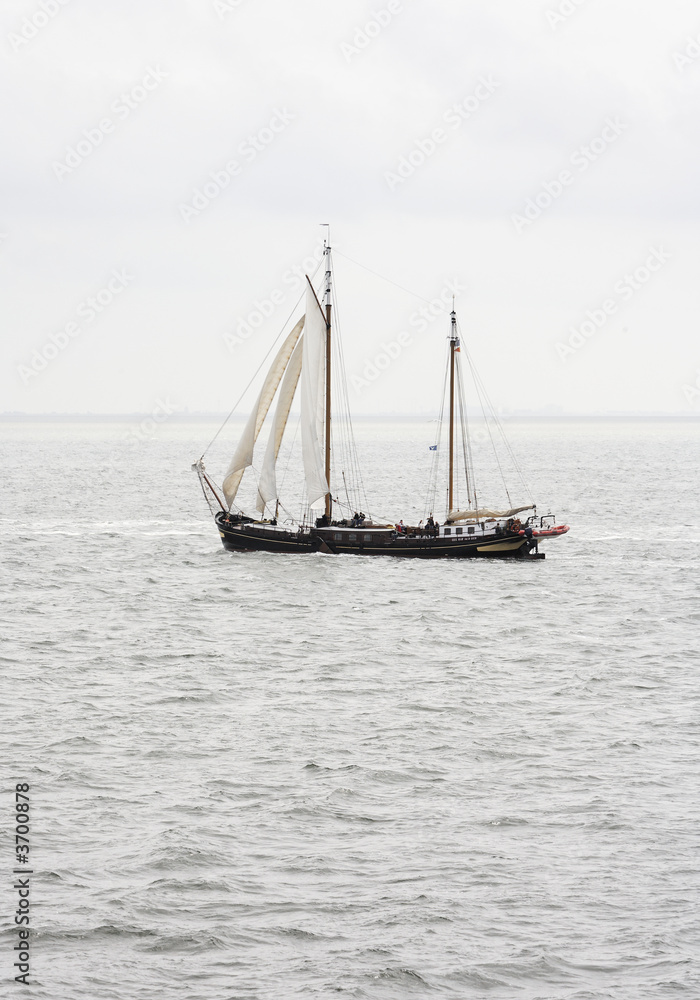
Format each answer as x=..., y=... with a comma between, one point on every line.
x=432, y=447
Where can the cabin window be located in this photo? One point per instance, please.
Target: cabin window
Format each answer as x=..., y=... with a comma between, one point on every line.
x=458, y=531
x=337, y=537
x=448, y=531
x=368, y=538
x=352, y=538
x=470, y=530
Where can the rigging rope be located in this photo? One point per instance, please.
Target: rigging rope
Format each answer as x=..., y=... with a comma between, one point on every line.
x=490, y=417
x=343, y=442
x=383, y=277
x=466, y=442
x=430, y=497
x=481, y=391
x=259, y=368
x=289, y=456
x=347, y=442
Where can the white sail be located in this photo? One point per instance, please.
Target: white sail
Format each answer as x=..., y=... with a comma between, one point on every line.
x=267, y=486
x=243, y=456
x=476, y=515
x=313, y=372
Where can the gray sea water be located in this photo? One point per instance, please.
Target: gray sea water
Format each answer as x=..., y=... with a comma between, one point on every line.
x=264, y=777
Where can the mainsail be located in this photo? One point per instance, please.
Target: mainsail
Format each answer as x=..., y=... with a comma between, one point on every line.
x=267, y=485
x=243, y=456
x=313, y=371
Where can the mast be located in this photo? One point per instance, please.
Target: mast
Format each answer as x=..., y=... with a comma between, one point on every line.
x=453, y=345
x=327, y=255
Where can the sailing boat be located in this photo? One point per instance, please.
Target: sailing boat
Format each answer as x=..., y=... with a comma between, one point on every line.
x=326, y=523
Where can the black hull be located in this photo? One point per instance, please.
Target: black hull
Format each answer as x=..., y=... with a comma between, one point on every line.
x=261, y=538
x=246, y=539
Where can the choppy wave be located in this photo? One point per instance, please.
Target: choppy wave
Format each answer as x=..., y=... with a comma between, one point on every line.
x=264, y=777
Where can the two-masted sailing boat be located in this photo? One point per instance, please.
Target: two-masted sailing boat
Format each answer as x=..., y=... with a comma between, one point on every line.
x=326, y=523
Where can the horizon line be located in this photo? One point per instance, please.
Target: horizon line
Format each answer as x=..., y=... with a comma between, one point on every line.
x=213, y=415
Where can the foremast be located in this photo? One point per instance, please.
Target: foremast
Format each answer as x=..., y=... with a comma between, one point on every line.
x=305, y=359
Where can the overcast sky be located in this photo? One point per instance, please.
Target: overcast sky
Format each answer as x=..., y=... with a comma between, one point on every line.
x=171, y=161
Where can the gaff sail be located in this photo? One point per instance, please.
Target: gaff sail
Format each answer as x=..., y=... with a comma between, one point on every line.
x=243, y=456
x=267, y=485
x=313, y=374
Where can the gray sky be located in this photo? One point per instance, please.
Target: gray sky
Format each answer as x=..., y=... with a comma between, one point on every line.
x=561, y=200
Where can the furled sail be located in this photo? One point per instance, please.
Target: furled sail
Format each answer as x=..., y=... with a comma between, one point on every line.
x=243, y=456
x=267, y=486
x=313, y=370
x=482, y=512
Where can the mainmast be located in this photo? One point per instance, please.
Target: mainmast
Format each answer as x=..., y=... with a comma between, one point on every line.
x=454, y=346
x=327, y=255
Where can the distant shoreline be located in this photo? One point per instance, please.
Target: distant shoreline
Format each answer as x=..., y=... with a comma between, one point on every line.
x=199, y=418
